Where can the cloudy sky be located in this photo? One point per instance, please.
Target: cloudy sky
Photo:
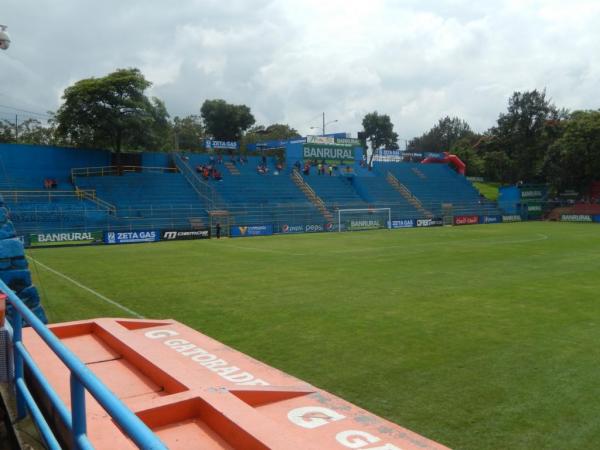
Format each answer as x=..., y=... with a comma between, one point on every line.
x=291, y=60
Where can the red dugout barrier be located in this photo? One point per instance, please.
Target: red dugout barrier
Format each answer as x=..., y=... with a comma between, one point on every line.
x=194, y=392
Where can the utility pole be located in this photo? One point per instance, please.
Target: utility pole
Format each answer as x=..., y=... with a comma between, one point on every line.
x=323, y=123
x=16, y=128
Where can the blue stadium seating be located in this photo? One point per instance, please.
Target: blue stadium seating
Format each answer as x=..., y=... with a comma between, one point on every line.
x=159, y=198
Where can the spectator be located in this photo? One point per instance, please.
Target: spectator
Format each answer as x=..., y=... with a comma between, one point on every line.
x=319, y=168
x=53, y=183
x=298, y=165
x=47, y=183
x=330, y=169
x=220, y=159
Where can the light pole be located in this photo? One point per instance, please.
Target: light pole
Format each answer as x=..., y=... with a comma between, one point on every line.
x=324, y=124
x=4, y=38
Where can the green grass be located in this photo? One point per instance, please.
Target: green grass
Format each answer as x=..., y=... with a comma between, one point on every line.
x=488, y=189
x=480, y=337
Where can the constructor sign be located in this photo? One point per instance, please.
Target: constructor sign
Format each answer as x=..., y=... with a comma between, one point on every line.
x=179, y=235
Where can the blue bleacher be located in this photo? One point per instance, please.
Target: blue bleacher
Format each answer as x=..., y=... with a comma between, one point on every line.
x=439, y=184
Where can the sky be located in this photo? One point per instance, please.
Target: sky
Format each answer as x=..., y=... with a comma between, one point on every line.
x=291, y=61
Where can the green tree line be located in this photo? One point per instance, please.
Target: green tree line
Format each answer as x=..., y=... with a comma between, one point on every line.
x=532, y=141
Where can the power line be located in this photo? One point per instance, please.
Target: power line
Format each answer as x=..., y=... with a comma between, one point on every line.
x=25, y=111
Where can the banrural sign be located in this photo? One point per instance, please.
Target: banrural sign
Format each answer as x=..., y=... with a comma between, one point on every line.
x=322, y=151
x=44, y=239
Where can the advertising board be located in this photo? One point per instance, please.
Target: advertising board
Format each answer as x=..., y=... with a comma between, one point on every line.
x=184, y=235
x=320, y=139
x=363, y=224
x=435, y=222
x=328, y=152
x=511, y=218
x=576, y=218
x=466, y=220
x=403, y=223
x=251, y=230
x=131, y=237
x=48, y=239
x=306, y=228
x=490, y=219
x=216, y=145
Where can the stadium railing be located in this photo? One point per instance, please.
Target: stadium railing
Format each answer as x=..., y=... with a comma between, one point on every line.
x=81, y=379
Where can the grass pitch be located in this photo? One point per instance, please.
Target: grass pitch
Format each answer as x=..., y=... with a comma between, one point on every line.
x=479, y=337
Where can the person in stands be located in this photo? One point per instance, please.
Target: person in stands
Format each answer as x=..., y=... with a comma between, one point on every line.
x=330, y=169
x=319, y=168
x=306, y=168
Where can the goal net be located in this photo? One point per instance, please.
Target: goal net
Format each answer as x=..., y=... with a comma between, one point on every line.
x=364, y=219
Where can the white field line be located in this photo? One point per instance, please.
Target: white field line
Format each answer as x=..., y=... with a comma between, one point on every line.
x=85, y=288
x=479, y=241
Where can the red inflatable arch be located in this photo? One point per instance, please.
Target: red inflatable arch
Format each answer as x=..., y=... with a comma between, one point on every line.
x=448, y=158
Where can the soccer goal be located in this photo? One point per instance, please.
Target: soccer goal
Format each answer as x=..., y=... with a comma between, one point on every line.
x=364, y=219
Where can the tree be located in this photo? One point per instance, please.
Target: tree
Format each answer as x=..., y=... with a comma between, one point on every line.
x=466, y=149
x=32, y=131
x=442, y=136
x=276, y=131
x=188, y=133
x=113, y=112
x=28, y=131
x=379, y=131
x=524, y=133
x=224, y=121
x=7, y=132
x=573, y=160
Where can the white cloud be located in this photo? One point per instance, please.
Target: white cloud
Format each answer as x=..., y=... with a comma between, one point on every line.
x=290, y=60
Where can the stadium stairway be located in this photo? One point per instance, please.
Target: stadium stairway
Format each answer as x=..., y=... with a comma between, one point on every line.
x=337, y=192
x=311, y=195
x=436, y=184
x=252, y=198
x=407, y=195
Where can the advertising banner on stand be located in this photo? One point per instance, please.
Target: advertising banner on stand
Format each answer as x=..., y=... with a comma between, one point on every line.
x=56, y=239
x=490, y=219
x=251, y=230
x=131, y=237
x=404, y=223
x=306, y=228
x=435, y=222
x=466, y=220
x=511, y=218
x=184, y=235
x=576, y=218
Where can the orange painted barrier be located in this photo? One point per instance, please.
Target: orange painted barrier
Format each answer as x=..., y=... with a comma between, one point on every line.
x=196, y=393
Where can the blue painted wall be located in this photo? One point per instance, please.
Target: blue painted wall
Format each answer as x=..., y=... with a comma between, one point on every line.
x=46, y=161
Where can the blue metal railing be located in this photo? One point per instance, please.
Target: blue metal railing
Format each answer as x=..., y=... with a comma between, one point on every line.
x=82, y=379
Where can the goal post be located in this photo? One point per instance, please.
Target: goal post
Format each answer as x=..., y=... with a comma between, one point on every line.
x=364, y=219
